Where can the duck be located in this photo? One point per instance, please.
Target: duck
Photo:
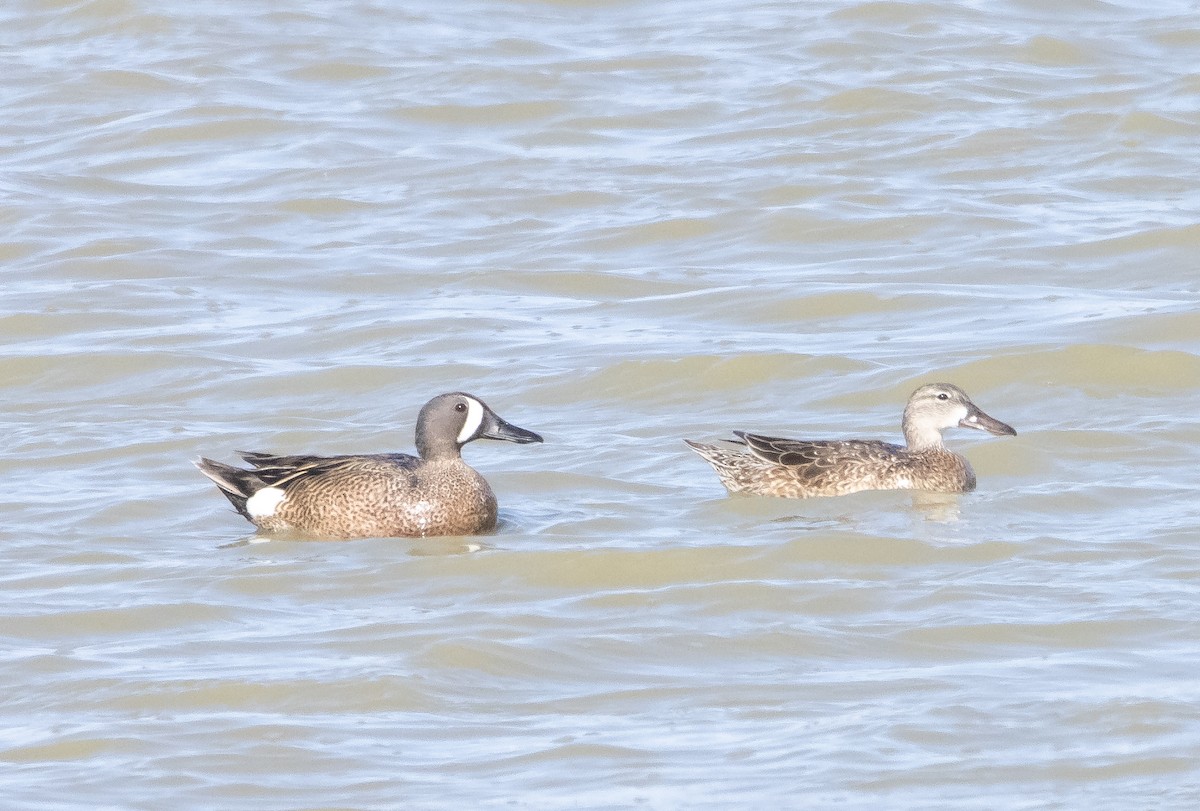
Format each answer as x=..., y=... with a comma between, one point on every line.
x=798, y=468
x=377, y=495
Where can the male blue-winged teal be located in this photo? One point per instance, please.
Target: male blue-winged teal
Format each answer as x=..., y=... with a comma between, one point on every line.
x=795, y=468
x=377, y=495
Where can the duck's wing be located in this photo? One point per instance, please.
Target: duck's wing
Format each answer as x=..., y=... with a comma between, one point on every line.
x=816, y=458
x=280, y=471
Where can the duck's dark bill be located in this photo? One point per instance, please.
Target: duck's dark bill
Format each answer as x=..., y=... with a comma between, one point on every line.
x=510, y=433
x=977, y=419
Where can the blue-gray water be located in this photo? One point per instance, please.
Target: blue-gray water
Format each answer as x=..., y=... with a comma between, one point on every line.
x=286, y=226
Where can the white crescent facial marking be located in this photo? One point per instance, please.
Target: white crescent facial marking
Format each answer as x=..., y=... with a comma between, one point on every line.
x=473, y=421
x=264, y=503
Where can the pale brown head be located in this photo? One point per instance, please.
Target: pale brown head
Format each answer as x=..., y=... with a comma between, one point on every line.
x=937, y=406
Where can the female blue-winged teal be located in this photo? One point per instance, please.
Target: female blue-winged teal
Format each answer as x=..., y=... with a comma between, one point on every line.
x=377, y=495
x=794, y=468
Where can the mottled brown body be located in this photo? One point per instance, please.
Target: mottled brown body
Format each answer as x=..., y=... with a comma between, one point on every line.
x=385, y=496
x=795, y=468
x=835, y=468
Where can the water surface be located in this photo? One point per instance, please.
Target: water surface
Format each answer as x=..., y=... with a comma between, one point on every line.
x=237, y=227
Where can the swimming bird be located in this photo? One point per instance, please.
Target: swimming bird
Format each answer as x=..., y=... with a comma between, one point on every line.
x=796, y=468
x=377, y=495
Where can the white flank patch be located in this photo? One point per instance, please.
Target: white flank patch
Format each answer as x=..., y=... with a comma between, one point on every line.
x=264, y=503
x=474, y=420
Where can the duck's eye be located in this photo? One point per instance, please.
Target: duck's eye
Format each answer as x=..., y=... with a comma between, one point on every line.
x=460, y=407
x=943, y=396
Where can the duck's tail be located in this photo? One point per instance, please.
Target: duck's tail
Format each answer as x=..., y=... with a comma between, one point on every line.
x=238, y=485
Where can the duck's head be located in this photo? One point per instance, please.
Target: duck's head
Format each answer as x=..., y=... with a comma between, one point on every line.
x=449, y=421
x=937, y=406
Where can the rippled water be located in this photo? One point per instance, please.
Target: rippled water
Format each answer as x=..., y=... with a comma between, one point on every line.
x=285, y=227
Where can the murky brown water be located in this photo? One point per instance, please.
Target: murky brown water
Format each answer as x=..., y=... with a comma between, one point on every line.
x=285, y=228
